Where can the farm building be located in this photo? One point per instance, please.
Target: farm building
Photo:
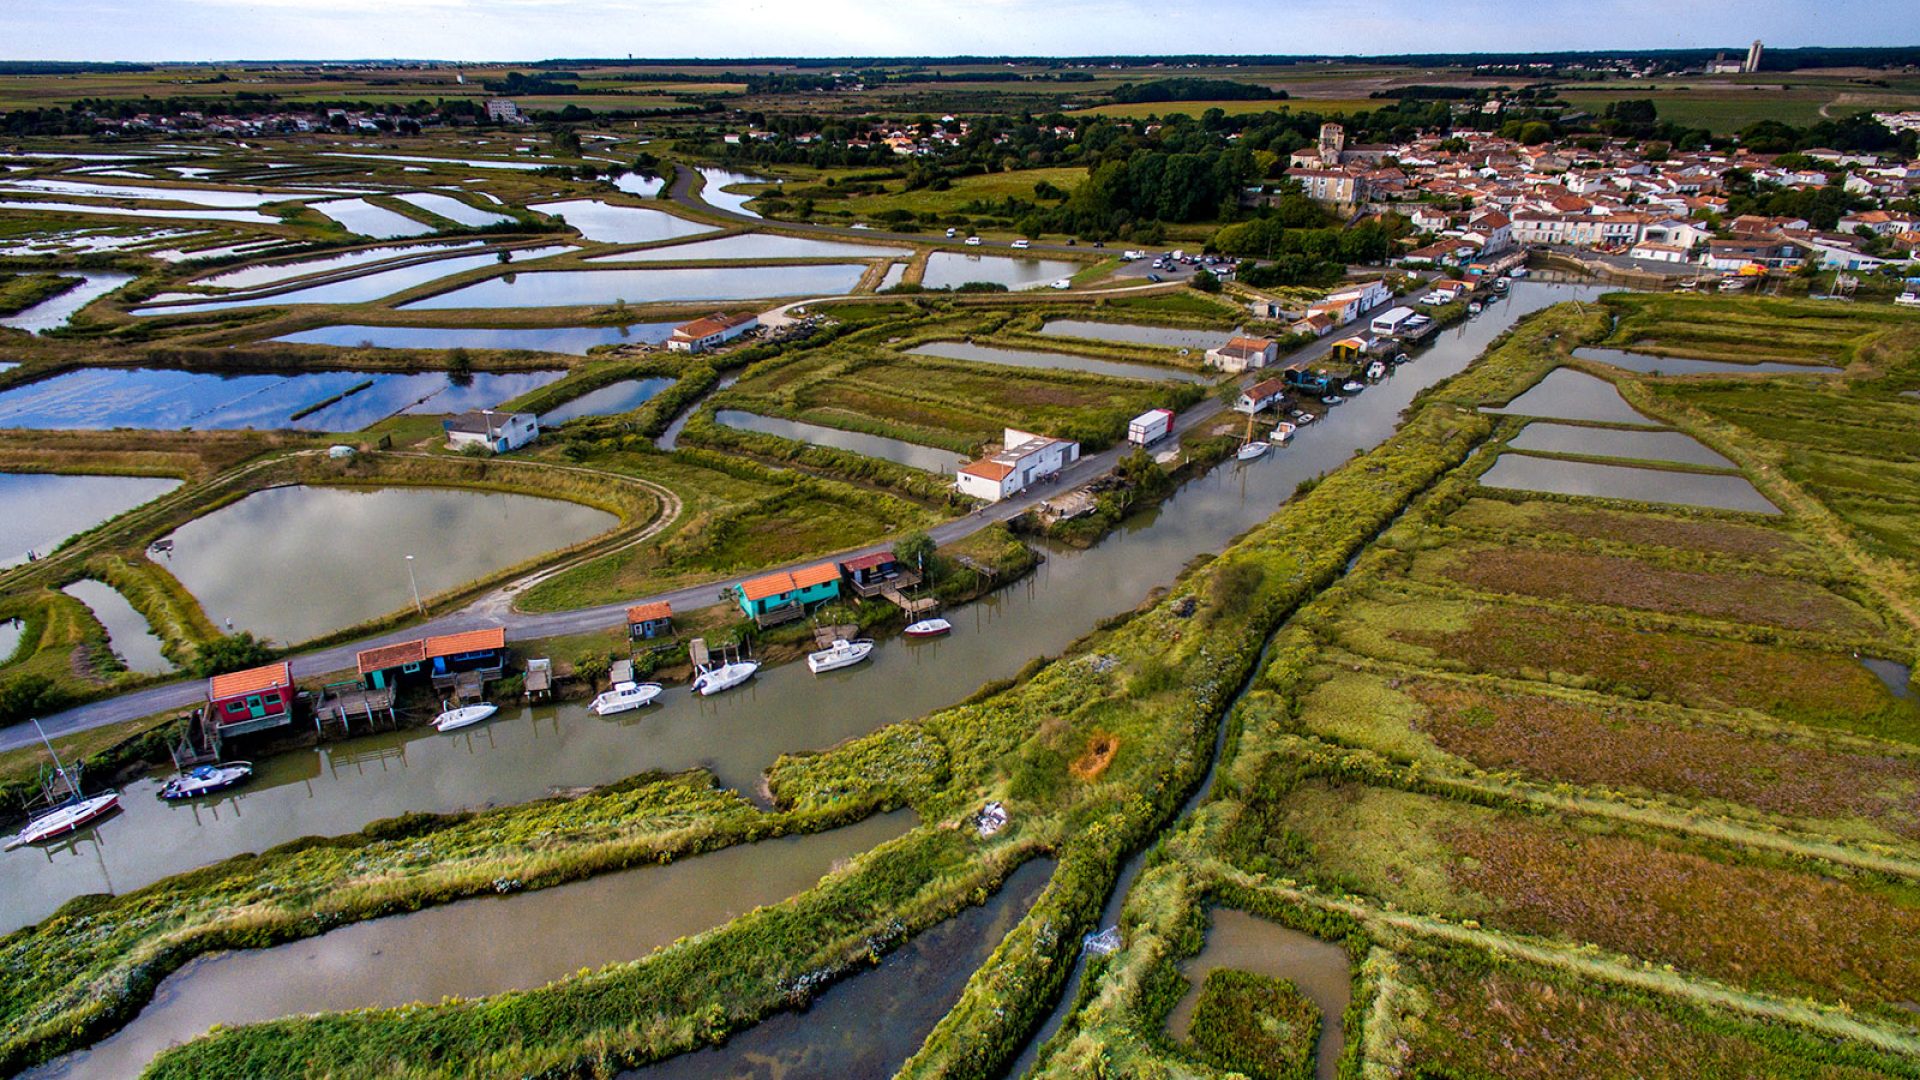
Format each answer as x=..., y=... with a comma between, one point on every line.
x=711, y=332
x=784, y=595
x=650, y=620
x=251, y=700
x=1026, y=457
x=498, y=432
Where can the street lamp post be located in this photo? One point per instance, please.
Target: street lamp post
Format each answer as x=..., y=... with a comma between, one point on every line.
x=418, y=606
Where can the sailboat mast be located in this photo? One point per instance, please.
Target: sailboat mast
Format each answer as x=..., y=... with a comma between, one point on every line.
x=72, y=788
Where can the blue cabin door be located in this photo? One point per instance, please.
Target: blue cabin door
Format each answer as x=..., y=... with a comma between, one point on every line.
x=255, y=706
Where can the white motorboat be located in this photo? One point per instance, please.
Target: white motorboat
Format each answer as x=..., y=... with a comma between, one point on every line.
x=1282, y=431
x=1352, y=386
x=206, y=779
x=1302, y=417
x=625, y=696
x=726, y=676
x=65, y=818
x=1517, y=272
x=1377, y=370
x=1253, y=450
x=1473, y=308
x=842, y=653
x=464, y=716
x=928, y=628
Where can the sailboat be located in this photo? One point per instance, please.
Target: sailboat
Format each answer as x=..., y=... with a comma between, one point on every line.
x=1252, y=448
x=76, y=812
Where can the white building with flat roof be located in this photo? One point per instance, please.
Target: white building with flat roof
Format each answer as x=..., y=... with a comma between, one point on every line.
x=1023, y=459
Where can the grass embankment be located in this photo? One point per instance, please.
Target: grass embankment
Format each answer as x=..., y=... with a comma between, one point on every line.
x=1256, y=1025
x=19, y=292
x=1569, y=840
x=1153, y=688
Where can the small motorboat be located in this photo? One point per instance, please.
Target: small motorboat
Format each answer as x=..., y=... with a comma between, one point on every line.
x=1332, y=399
x=725, y=676
x=928, y=628
x=1282, y=431
x=1499, y=284
x=464, y=716
x=842, y=653
x=1302, y=417
x=1473, y=308
x=1401, y=358
x=1352, y=386
x=1377, y=369
x=624, y=696
x=70, y=816
x=1517, y=272
x=1252, y=450
x=206, y=779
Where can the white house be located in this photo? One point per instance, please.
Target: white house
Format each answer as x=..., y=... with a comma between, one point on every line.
x=702, y=334
x=1359, y=298
x=1654, y=251
x=1260, y=396
x=1242, y=353
x=498, y=432
x=1025, y=457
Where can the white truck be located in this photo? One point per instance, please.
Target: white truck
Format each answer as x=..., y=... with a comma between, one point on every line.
x=1150, y=427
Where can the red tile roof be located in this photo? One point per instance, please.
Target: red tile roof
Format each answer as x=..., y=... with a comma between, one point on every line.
x=868, y=562
x=251, y=681
x=640, y=613
x=386, y=656
x=767, y=585
x=988, y=469
x=470, y=641
x=818, y=574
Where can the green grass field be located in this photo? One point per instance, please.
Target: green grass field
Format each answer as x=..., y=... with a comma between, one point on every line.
x=1329, y=106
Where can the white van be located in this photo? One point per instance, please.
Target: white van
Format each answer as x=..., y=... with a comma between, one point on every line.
x=1022, y=244
x=973, y=241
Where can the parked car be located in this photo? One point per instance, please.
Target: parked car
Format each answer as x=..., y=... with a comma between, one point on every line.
x=951, y=233
x=1155, y=278
x=1063, y=283
x=973, y=241
x=1022, y=245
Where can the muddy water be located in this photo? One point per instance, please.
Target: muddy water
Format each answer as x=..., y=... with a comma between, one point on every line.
x=39, y=510
x=524, y=752
x=293, y=563
x=1719, y=492
x=1317, y=968
x=931, y=458
x=1034, y=358
x=502, y=943
x=869, y=1024
x=127, y=631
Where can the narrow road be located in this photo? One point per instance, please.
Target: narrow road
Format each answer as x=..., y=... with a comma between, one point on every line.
x=522, y=626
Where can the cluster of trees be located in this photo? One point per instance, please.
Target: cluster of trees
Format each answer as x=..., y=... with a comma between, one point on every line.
x=1304, y=256
x=546, y=82
x=1195, y=90
x=1822, y=207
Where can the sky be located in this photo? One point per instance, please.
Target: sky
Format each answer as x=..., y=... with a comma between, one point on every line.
x=522, y=30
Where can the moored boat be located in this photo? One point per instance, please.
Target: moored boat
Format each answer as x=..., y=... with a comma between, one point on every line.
x=1253, y=450
x=206, y=779
x=1352, y=386
x=67, y=817
x=1282, y=431
x=1377, y=370
x=465, y=716
x=928, y=628
x=1473, y=308
x=624, y=696
x=1517, y=272
x=842, y=653
x=726, y=676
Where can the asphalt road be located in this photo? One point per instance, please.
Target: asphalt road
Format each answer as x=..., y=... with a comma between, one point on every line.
x=520, y=626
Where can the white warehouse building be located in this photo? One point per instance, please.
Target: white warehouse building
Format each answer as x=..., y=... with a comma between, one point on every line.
x=1026, y=458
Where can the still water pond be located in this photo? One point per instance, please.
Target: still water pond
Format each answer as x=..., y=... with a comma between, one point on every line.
x=1518, y=471
x=363, y=217
x=946, y=269
x=342, y=786
x=571, y=340
x=612, y=223
x=563, y=288
x=452, y=209
x=1136, y=334
x=502, y=943
x=731, y=201
x=1034, y=358
x=369, y=286
x=1685, y=365
x=869, y=1024
x=57, y=310
x=756, y=246
x=1642, y=445
x=931, y=458
x=623, y=396
x=165, y=399
x=250, y=277
x=127, y=631
x=1240, y=942
x=39, y=510
x=293, y=563
x=1569, y=394
x=250, y=217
